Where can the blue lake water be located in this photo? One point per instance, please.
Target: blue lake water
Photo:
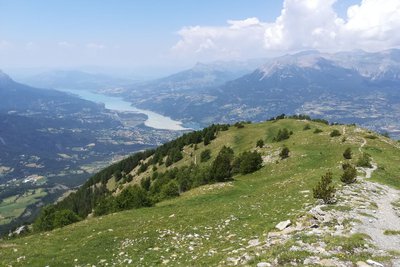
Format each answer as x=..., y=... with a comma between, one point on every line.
x=154, y=120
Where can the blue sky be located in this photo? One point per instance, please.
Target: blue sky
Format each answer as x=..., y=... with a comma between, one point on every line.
x=161, y=34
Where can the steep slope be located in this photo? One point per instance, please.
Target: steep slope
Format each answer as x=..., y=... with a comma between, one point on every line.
x=233, y=223
x=52, y=141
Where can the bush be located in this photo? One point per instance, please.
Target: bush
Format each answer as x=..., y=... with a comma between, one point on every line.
x=105, y=206
x=335, y=133
x=174, y=155
x=364, y=161
x=221, y=169
x=349, y=175
x=239, y=125
x=317, y=131
x=205, y=155
x=324, y=189
x=145, y=183
x=284, y=153
x=250, y=162
x=50, y=218
x=283, y=134
x=347, y=154
x=170, y=190
x=132, y=197
x=260, y=143
x=306, y=127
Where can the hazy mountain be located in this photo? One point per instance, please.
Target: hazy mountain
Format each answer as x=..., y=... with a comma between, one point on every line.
x=200, y=77
x=350, y=86
x=78, y=80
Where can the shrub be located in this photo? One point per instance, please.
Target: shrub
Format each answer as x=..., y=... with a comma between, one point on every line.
x=260, y=143
x=132, y=197
x=324, y=189
x=170, y=190
x=364, y=161
x=284, y=153
x=205, y=155
x=306, y=127
x=250, y=162
x=239, y=125
x=50, y=218
x=317, y=131
x=145, y=183
x=283, y=134
x=221, y=169
x=347, y=154
x=349, y=175
x=174, y=155
x=105, y=206
x=335, y=133
x=142, y=168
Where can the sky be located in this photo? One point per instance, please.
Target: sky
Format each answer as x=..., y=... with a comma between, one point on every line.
x=146, y=35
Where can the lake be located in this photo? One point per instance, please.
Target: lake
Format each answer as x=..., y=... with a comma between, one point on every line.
x=154, y=120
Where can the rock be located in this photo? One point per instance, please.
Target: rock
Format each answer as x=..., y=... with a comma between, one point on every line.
x=362, y=264
x=374, y=263
x=328, y=263
x=254, y=242
x=263, y=264
x=282, y=225
x=311, y=260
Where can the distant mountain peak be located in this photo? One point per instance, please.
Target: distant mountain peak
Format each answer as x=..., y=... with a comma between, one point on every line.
x=4, y=78
x=307, y=60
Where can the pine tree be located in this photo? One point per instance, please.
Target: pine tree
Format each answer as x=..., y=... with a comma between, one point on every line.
x=284, y=153
x=324, y=189
x=347, y=154
x=349, y=175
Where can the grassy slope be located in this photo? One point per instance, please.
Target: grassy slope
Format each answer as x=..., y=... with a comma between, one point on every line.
x=205, y=224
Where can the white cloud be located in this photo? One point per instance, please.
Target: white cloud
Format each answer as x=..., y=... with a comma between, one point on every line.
x=302, y=24
x=239, y=37
x=95, y=46
x=64, y=44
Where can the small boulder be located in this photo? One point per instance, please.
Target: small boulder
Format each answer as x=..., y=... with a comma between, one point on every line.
x=283, y=225
x=374, y=263
x=264, y=264
x=362, y=264
x=328, y=263
x=254, y=242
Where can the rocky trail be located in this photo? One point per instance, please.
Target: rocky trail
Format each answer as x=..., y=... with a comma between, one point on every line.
x=364, y=208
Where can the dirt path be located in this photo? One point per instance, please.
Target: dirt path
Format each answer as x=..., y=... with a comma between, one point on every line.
x=380, y=215
x=381, y=219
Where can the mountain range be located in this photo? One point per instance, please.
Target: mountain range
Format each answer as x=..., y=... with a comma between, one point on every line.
x=358, y=86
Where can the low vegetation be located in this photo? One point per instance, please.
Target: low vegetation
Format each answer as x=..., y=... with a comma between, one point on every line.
x=364, y=161
x=203, y=211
